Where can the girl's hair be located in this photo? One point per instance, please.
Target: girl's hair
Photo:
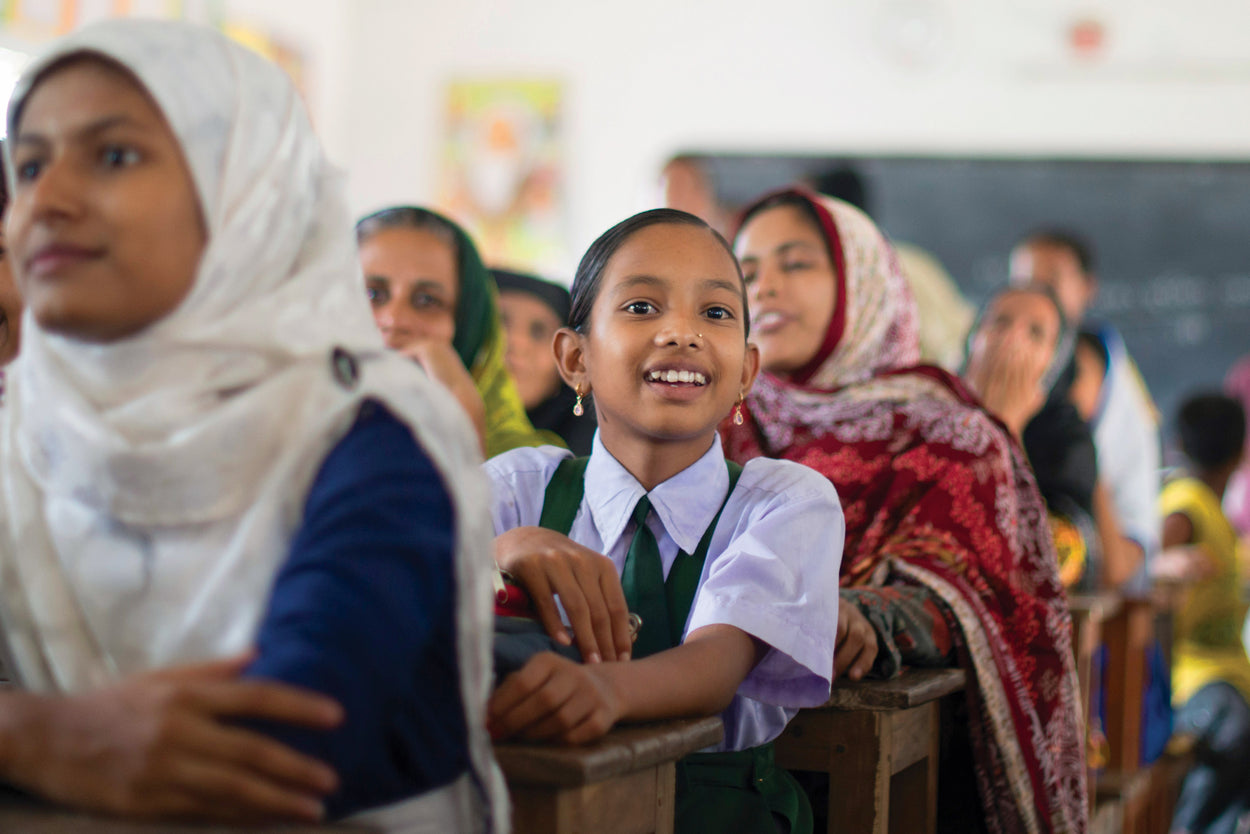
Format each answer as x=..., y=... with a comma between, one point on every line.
x=791, y=199
x=409, y=217
x=589, y=277
x=1212, y=429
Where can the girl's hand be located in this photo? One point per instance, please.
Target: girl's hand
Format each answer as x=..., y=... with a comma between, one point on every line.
x=442, y=363
x=159, y=746
x=857, y=643
x=548, y=564
x=553, y=698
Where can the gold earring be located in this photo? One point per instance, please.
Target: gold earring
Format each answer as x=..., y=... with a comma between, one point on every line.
x=578, y=410
x=738, y=411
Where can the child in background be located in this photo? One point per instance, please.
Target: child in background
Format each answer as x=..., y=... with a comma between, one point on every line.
x=532, y=310
x=733, y=570
x=1210, y=671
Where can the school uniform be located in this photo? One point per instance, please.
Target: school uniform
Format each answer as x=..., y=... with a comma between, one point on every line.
x=771, y=569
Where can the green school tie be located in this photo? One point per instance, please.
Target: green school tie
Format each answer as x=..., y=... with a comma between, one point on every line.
x=643, y=583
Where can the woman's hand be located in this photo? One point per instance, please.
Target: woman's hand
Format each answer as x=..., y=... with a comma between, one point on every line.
x=857, y=643
x=161, y=746
x=548, y=564
x=1009, y=384
x=442, y=363
x=553, y=698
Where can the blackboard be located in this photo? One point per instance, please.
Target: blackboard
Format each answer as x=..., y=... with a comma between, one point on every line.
x=1171, y=239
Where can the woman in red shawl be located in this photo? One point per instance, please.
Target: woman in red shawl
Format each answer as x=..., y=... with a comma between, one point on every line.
x=948, y=554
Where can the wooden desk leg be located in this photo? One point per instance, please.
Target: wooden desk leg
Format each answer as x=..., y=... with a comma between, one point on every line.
x=612, y=805
x=1128, y=636
x=913, y=787
x=883, y=767
x=859, y=772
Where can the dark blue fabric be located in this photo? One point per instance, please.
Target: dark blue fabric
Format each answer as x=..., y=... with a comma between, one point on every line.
x=363, y=612
x=1215, y=796
x=1156, y=714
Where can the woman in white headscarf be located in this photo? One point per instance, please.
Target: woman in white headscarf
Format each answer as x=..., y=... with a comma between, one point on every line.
x=212, y=474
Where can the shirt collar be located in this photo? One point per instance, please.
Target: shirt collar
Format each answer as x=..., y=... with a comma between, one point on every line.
x=686, y=503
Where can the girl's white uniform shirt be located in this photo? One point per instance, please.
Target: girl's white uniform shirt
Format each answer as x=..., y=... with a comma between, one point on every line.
x=771, y=569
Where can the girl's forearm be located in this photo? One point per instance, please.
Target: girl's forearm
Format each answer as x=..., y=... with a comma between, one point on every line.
x=699, y=677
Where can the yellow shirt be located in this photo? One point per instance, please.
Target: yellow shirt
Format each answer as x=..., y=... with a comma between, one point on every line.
x=1208, y=645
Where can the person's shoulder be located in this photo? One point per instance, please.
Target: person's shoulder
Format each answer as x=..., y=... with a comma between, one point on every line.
x=536, y=460
x=1185, y=489
x=786, y=479
x=377, y=440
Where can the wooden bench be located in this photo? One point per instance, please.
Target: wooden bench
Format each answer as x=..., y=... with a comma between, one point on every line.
x=623, y=784
x=878, y=741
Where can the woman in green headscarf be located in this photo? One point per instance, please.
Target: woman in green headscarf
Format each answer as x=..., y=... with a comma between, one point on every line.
x=434, y=300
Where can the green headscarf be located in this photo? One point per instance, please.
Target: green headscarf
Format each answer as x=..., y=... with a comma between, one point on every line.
x=479, y=340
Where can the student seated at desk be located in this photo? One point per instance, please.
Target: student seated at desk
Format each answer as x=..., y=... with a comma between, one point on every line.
x=434, y=301
x=239, y=541
x=1122, y=416
x=1210, y=669
x=532, y=311
x=948, y=555
x=727, y=566
x=1020, y=365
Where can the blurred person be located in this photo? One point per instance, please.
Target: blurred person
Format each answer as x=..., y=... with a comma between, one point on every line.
x=434, y=301
x=532, y=310
x=228, y=516
x=1210, y=669
x=1126, y=433
x=688, y=184
x=1237, y=498
x=943, y=519
x=1019, y=361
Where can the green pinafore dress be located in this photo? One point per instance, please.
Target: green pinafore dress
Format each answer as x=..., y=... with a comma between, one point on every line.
x=739, y=791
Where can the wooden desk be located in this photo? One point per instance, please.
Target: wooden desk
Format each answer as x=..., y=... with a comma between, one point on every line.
x=878, y=741
x=622, y=784
x=1128, y=635
x=1089, y=614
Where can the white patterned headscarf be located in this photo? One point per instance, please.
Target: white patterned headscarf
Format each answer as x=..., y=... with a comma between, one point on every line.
x=151, y=486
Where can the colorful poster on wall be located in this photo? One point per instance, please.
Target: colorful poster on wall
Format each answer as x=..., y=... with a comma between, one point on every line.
x=501, y=172
x=35, y=21
x=40, y=19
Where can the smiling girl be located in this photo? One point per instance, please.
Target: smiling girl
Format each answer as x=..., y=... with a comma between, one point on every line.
x=724, y=564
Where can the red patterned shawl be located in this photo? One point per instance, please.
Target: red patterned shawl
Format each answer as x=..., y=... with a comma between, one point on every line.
x=936, y=493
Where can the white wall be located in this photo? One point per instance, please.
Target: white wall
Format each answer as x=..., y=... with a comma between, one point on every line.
x=648, y=77
x=322, y=31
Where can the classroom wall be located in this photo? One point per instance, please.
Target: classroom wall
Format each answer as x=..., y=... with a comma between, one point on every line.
x=920, y=76
x=321, y=30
